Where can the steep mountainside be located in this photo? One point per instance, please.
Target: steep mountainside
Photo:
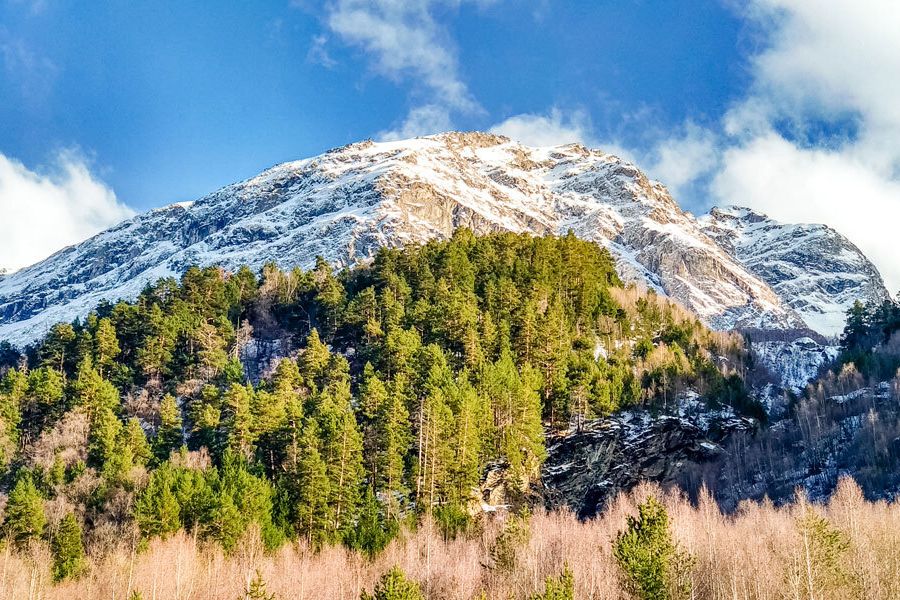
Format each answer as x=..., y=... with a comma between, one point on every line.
x=815, y=270
x=344, y=204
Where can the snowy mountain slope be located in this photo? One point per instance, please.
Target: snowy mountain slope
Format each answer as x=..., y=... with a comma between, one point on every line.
x=346, y=203
x=816, y=271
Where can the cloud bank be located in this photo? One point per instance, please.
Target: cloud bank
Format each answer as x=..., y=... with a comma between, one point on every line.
x=838, y=68
x=43, y=212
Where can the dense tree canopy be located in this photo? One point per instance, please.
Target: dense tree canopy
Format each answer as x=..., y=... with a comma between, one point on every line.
x=400, y=382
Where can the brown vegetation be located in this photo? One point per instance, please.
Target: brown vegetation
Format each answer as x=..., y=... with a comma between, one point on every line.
x=849, y=548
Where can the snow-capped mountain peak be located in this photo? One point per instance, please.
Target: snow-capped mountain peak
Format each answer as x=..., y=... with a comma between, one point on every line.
x=815, y=270
x=347, y=202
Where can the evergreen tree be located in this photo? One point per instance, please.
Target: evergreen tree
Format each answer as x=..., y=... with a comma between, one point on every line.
x=239, y=420
x=256, y=589
x=12, y=391
x=309, y=489
x=92, y=392
x=516, y=408
x=558, y=588
x=58, y=349
x=106, y=345
x=156, y=509
x=314, y=360
x=169, y=435
x=652, y=565
x=825, y=563
x=24, y=515
x=373, y=531
x=341, y=444
x=103, y=438
x=44, y=401
x=394, y=585
x=393, y=439
x=68, y=549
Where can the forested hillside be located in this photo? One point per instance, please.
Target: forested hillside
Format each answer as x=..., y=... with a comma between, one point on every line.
x=847, y=421
x=417, y=373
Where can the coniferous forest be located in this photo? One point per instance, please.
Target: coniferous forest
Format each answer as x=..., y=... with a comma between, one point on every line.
x=142, y=435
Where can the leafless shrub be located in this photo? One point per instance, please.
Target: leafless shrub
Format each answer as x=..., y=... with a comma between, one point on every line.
x=756, y=553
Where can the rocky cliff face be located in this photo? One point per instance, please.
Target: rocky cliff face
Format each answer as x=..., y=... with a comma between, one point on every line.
x=814, y=269
x=346, y=203
x=586, y=469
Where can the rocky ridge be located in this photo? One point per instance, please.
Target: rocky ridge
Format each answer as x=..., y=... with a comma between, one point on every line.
x=346, y=203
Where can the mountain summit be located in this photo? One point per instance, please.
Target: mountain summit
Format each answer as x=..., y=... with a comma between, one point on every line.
x=733, y=268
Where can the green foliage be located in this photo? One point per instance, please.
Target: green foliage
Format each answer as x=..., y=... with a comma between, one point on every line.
x=825, y=558
x=219, y=504
x=25, y=519
x=510, y=541
x=868, y=328
x=68, y=549
x=652, y=566
x=373, y=530
x=256, y=589
x=169, y=433
x=417, y=373
x=394, y=585
x=558, y=588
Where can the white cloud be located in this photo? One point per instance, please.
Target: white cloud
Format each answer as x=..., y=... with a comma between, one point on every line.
x=822, y=64
x=558, y=127
x=813, y=185
x=405, y=42
x=552, y=129
x=43, y=212
x=835, y=65
x=422, y=120
x=680, y=160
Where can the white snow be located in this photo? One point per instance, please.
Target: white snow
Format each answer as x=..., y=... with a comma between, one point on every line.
x=346, y=203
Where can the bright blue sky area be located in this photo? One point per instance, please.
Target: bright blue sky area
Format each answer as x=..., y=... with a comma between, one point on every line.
x=171, y=100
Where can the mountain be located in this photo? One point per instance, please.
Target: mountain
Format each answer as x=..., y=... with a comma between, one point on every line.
x=344, y=204
x=814, y=269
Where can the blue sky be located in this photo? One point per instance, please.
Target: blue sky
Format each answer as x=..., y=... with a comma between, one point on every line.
x=174, y=99
x=112, y=107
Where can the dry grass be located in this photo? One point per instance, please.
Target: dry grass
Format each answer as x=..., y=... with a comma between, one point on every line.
x=756, y=553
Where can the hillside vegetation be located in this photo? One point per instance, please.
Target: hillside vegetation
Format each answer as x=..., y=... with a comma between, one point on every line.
x=415, y=373
x=845, y=550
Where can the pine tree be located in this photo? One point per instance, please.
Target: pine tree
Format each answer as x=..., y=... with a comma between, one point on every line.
x=825, y=564
x=240, y=420
x=25, y=519
x=106, y=345
x=310, y=487
x=652, y=565
x=156, y=509
x=256, y=589
x=558, y=588
x=516, y=408
x=135, y=439
x=58, y=347
x=394, y=585
x=373, y=531
x=314, y=361
x=372, y=397
x=169, y=435
x=341, y=452
x=12, y=391
x=44, y=401
x=103, y=438
x=393, y=435
x=68, y=549
x=93, y=392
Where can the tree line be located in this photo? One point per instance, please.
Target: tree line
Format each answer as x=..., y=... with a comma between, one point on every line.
x=414, y=374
